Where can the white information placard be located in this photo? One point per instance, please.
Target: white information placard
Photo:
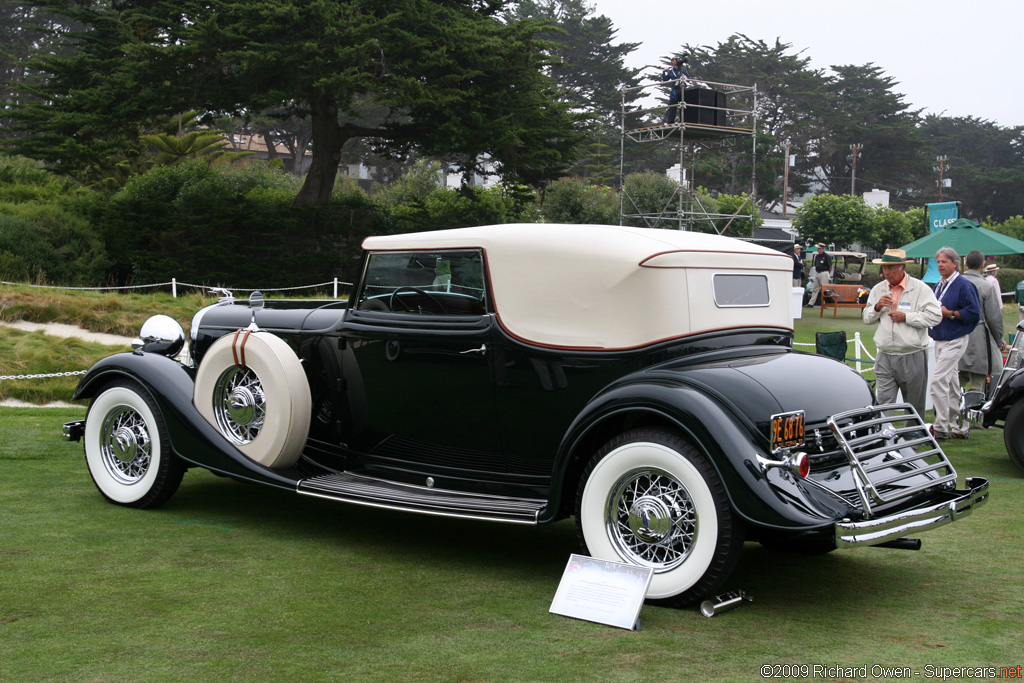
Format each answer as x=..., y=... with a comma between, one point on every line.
x=602, y=591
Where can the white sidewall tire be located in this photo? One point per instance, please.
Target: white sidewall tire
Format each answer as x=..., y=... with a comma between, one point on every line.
x=285, y=428
x=115, y=490
x=647, y=455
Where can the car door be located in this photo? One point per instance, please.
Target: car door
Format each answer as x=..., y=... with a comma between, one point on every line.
x=420, y=389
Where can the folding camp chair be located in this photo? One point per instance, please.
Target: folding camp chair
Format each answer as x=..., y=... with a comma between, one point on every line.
x=831, y=344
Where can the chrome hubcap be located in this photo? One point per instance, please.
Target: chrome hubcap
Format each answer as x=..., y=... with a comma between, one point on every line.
x=125, y=446
x=239, y=404
x=651, y=519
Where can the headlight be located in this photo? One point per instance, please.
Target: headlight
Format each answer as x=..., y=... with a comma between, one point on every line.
x=160, y=334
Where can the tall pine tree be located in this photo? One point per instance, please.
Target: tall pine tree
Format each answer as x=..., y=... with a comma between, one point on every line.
x=441, y=76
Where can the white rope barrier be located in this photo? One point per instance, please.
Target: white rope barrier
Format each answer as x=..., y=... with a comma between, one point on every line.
x=174, y=291
x=858, y=349
x=90, y=289
x=174, y=282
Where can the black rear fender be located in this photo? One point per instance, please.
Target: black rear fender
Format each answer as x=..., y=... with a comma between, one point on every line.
x=773, y=499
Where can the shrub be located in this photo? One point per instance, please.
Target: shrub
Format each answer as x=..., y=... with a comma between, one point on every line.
x=422, y=178
x=15, y=169
x=1014, y=227
x=444, y=208
x=234, y=225
x=45, y=231
x=889, y=228
x=21, y=255
x=649, y=193
x=570, y=200
x=737, y=209
x=840, y=219
x=46, y=242
x=199, y=180
x=1008, y=279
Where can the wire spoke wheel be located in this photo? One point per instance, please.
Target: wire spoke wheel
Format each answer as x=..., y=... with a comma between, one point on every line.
x=253, y=389
x=125, y=445
x=240, y=404
x=650, y=498
x=127, y=448
x=651, y=519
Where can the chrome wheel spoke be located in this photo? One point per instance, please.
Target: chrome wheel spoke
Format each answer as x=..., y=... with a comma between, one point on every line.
x=239, y=404
x=651, y=519
x=125, y=445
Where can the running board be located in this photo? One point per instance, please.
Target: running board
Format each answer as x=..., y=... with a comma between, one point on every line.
x=363, y=490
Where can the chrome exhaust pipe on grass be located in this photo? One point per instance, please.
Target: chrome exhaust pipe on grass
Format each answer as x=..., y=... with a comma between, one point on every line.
x=724, y=603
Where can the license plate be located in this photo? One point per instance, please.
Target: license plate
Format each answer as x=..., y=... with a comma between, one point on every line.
x=787, y=430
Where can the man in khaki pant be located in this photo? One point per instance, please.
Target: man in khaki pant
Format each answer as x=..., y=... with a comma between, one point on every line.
x=903, y=308
x=961, y=310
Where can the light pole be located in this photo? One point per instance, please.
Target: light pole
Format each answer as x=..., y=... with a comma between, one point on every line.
x=941, y=169
x=855, y=149
x=785, y=183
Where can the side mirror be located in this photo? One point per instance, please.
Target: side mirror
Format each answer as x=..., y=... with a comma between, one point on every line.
x=256, y=301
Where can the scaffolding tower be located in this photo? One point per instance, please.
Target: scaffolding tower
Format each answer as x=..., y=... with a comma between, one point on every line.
x=710, y=116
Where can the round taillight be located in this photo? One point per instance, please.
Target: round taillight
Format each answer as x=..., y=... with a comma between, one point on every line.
x=801, y=465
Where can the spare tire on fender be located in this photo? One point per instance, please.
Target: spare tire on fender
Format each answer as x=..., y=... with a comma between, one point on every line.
x=252, y=388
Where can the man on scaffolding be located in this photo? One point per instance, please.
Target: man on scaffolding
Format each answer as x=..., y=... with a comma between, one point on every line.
x=676, y=73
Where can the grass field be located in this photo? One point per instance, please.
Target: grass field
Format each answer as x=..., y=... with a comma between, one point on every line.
x=233, y=582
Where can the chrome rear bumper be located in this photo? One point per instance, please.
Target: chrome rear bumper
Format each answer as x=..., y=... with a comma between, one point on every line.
x=882, y=529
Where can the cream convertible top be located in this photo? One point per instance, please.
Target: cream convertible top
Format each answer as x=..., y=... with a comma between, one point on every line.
x=611, y=287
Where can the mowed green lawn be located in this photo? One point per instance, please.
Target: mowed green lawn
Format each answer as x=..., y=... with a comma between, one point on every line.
x=234, y=582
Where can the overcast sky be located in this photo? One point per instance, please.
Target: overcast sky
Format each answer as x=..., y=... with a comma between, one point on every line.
x=963, y=58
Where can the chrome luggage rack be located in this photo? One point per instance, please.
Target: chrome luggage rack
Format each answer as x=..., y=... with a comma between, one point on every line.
x=892, y=453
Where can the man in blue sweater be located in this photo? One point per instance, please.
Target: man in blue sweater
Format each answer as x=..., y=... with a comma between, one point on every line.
x=961, y=309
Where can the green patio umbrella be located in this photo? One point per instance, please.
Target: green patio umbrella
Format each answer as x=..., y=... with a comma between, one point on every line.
x=964, y=235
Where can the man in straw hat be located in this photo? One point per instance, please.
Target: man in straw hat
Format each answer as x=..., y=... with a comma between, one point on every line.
x=991, y=270
x=904, y=308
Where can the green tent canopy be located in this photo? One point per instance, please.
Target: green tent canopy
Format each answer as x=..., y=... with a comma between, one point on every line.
x=964, y=235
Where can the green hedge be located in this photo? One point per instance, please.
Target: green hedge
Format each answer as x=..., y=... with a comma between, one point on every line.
x=1008, y=279
x=203, y=225
x=46, y=234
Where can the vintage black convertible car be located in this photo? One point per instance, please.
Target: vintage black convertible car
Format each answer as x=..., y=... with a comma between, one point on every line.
x=643, y=381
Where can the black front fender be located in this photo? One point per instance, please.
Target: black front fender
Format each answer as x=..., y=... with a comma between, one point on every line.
x=193, y=439
x=1011, y=391
x=774, y=499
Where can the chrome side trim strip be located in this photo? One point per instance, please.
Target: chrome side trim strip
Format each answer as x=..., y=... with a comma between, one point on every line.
x=380, y=493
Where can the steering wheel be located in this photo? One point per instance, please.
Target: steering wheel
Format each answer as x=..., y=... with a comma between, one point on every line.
x=427, y=296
